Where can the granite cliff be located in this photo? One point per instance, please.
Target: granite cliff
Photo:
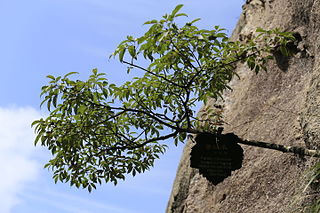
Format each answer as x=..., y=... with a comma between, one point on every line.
x=279, y=106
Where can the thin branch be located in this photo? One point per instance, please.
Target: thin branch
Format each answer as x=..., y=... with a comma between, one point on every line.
x=163, y=116
x=176, y=128
x=109, y=118
x=150, y=114
x=185, y=58
x=187, y=109
x=293, y=149
x=144, y=143
x=152, y=73
x=147, y=114
x=238, y=58
x=282, y=148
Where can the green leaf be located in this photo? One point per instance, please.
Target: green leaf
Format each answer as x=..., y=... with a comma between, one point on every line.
x=181, y=14
x=35, y=122
x=260, y=30
x=220, y=35
x=37, y=139
x=49, y=104
x=70, y=73
x=90, y=188
x=82, y=109
x=55, y=178
x=121, y=54
x=176, y=9
x=195, y=20
x=95, y=71
x=132, y=51
x=51, y=77
x=54, y=100
x=151, y=22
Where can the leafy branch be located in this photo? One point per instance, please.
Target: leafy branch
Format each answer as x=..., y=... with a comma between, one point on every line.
x=99, y=131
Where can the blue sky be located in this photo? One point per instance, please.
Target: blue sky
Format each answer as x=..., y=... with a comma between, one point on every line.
x=42, y=37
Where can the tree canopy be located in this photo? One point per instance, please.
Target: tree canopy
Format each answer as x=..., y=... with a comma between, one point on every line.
x=98, y=131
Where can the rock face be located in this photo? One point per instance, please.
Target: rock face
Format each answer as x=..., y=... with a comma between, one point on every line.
x=280, y=106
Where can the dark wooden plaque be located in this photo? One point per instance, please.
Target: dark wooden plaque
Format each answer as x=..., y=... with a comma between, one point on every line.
x=216, y=156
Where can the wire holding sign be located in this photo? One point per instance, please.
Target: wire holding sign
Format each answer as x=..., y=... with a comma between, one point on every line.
x=216, y=156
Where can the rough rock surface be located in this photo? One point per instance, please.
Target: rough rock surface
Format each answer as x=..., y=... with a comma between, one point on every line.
x=280, y=106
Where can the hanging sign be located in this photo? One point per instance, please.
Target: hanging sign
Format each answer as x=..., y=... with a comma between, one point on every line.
x=216, y=156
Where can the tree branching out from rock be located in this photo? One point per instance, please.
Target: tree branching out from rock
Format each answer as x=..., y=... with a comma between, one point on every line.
x=98, y=131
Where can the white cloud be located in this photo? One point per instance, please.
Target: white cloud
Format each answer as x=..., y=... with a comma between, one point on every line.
x=68, y=203
x=21, y=165
x=16, y=148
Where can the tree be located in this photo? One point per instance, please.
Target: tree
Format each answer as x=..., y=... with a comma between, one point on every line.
x=99, y=131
